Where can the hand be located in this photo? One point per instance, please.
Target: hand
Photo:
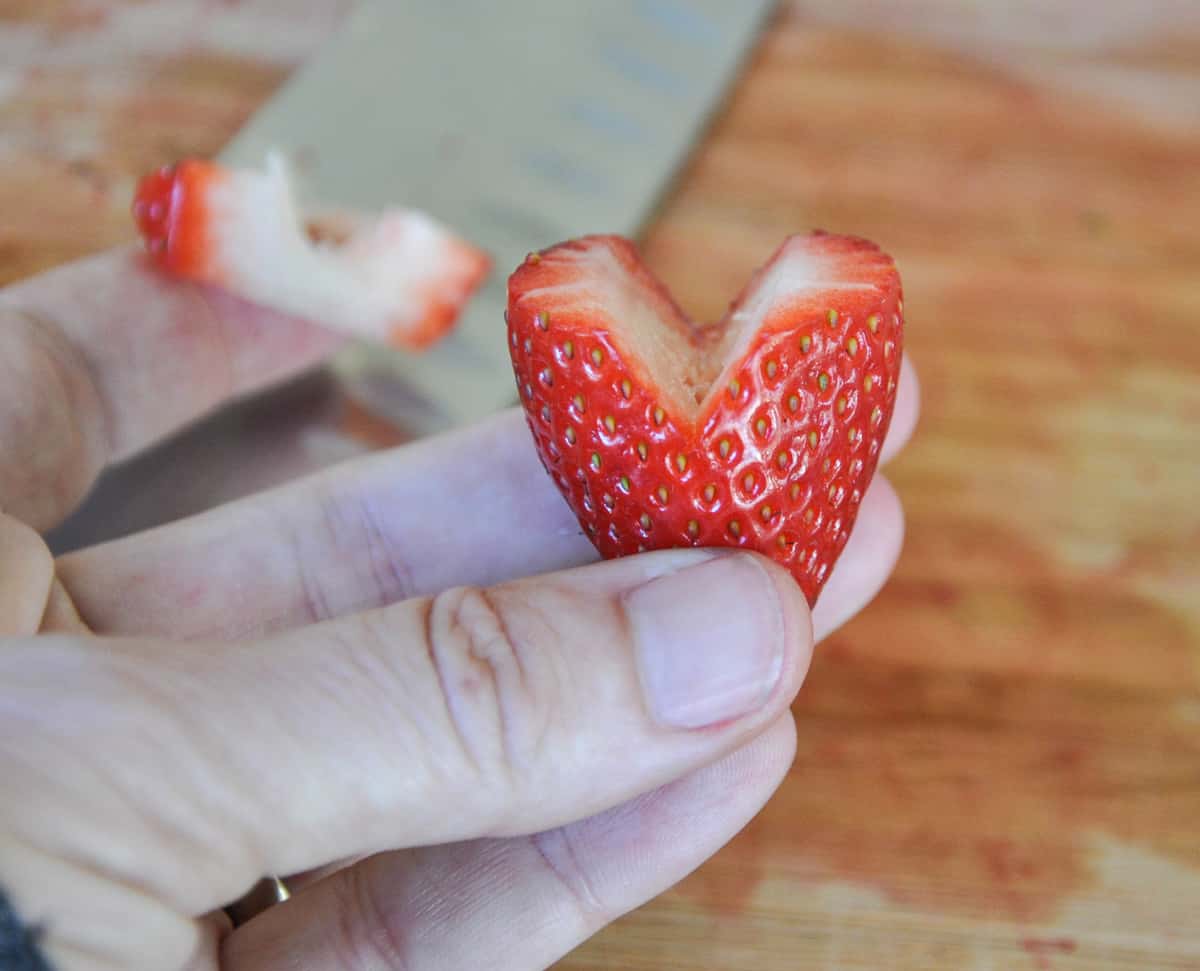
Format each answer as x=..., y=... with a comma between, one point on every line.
x=396, y=681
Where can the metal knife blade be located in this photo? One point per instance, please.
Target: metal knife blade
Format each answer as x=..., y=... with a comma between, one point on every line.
x=518, y=124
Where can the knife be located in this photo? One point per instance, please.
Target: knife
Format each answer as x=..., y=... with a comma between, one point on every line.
x=518, y=124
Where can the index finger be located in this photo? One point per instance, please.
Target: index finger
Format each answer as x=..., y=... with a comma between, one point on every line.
x=103, y=357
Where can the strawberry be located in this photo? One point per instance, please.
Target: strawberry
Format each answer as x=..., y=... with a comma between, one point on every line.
x=761, y=431
x=397, y=277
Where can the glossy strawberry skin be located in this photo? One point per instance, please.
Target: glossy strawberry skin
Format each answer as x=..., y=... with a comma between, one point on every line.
x=778, y=462
x=169, y=209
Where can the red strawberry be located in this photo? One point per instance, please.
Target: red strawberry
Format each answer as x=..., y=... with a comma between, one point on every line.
x=397, y=276
x=761, y=431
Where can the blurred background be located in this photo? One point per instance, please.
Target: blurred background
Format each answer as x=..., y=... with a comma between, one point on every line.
x=999, y=762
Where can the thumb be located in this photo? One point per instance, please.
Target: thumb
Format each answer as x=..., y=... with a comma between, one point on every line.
x=530, y=704
x=479, y=712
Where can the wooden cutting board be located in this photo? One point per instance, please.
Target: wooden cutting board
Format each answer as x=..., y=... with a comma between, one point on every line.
x=999, y=761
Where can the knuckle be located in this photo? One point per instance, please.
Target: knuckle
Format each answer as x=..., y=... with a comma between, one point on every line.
x=556, y=852
x=355, y=525
x=353, y=529
x=366, y=932
x=497, y=678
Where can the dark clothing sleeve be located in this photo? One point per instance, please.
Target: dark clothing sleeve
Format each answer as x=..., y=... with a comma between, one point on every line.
x=19, y=949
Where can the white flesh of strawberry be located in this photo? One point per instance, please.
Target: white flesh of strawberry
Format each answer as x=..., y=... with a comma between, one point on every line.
x=689, y=362
x=379, y=281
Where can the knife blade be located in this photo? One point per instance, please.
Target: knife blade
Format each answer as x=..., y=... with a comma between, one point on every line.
x=518, y=124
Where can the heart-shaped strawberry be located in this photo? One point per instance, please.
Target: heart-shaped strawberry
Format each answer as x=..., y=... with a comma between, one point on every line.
x=761, y=431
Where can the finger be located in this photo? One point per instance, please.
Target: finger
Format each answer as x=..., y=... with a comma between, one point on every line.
x=904, y=412
x=375, y=531
x=524, y=902
x=472, y=507
x=103, y=357
x=256, y=443
x=867, y=561
x=26, y=578
x=477, y=713
x=83, y=916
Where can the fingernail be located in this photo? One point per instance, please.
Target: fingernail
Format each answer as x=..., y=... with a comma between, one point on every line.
x=709, y=641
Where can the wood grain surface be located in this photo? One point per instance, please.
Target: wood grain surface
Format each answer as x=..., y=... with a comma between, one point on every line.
x=999, y=761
